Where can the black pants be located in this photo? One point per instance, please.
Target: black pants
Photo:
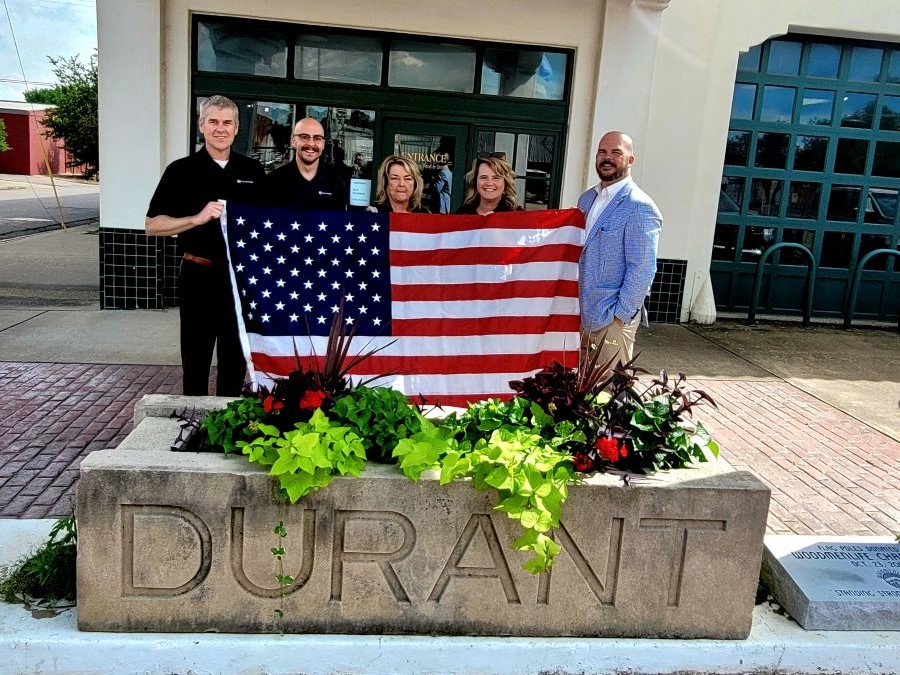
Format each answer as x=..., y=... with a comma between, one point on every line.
x=208, y=321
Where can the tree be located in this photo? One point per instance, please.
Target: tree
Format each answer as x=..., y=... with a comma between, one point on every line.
x=74, y=119
x=4, y=146
x=49, y=96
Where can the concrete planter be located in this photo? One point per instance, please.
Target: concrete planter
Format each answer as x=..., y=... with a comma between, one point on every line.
x=181, y=542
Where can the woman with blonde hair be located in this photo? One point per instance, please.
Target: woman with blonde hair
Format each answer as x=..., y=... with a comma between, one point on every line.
x=490, y=187
x=399, y=186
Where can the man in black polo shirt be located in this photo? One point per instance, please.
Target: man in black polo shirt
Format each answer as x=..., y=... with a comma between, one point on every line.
x=308, y=183
x=187, y=203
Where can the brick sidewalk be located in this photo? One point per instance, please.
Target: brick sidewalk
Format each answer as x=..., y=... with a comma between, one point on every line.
x=829, y=473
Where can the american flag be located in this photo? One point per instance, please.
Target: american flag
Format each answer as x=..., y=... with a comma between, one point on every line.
x=468, y=302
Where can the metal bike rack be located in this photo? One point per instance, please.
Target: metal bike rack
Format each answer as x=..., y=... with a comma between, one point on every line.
x=810, y=281
x=857, y=278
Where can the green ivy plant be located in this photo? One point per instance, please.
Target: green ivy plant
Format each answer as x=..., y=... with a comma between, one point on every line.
x=226, y=427
x=284, y=580
x=309, y=456
x=381, y=417
x=47, y=576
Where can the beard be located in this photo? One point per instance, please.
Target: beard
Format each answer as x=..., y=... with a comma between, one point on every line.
x=617, y=173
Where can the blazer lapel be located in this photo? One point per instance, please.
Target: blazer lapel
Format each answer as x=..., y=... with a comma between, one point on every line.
x=610, y=209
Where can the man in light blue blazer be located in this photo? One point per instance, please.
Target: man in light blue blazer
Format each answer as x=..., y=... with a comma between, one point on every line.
x=618, y=261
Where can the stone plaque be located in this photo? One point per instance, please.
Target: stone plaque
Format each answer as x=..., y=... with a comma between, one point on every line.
x=835, y=583
x=175, y=541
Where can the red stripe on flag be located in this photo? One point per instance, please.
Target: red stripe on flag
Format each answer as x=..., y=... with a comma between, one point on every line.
x=497, y=325
x=497, y=291
x=426, y=365
x=509, y=220
x=487, y=255
x=459, y=400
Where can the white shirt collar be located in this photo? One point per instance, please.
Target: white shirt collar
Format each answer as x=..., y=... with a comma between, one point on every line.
x=611, y=191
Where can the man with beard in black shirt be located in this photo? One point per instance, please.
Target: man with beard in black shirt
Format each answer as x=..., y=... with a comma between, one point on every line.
x=307, y=182
x=188, y=202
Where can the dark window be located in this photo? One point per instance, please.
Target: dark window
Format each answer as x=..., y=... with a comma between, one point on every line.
x=851, y=156
x=725, y=242
x=837, y=247
x=803, y=200
x=524, y=73
x=872, y=242
x=731, y=196
x=756, y=240
x=881, y=205
x=810, y=153
x=843, y=203
x=887, y=159
x=765, y=197
x=793, y=236
x=737, y=148
x=749, y=60
x=894, y=67
x=771, y=150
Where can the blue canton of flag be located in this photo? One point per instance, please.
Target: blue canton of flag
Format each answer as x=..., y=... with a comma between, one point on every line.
x=293, y=268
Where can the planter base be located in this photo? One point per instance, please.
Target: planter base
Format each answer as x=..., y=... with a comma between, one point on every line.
x=181, y=542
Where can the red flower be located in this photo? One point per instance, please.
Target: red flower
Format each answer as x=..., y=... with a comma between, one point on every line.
x=609, y=448
x=270, y=404
x=312, y=398
x=582, y=462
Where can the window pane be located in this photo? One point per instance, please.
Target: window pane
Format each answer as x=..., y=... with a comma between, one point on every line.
x=793, y=256
x=432, y=65
x=737, y=147
x=349, y=138
x=881, y=206
x=233, y=48
x=817, y=107
x=524, y=73
x=836, y=249
x=872, y=242
x=887, y=159
x=338, y=58
x=851, y=156
x=894, y=67
x=756, y=240
x=534, y=154
x=765, y=197
x=859, y=109
x=724, y=242
x=731, y=195
x=778, y=104
x=865, y=64
x=784, y=57
x=843, y=203
x=749, y=60
x=803, y=200
x=823, y=60
x=434, y=157
x=810, y=153
x=890, y=113
x=771, y=150
x=742, y=101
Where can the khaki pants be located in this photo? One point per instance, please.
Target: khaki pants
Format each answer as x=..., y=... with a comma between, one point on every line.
x=618, y=343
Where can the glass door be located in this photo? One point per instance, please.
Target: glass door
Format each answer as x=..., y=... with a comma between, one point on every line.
x=439, y=150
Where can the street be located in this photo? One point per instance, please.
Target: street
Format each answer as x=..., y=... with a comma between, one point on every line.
x=28, y=203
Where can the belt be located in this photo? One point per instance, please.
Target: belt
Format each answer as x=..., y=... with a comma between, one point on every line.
x=206, y=262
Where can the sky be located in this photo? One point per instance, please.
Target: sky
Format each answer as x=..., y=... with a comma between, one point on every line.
x=42, y=28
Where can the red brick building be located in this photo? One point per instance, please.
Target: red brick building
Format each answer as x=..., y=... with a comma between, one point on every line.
x=25, y=136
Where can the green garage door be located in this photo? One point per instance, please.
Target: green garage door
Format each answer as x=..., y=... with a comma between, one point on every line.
x=813, y=157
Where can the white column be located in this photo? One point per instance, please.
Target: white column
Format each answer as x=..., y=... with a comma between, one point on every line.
x=130, y=111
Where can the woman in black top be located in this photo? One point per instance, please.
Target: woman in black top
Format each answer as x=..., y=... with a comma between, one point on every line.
x=399, y=187
x=490, y=187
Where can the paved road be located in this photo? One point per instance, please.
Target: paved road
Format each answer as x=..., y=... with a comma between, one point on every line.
x=29, y=203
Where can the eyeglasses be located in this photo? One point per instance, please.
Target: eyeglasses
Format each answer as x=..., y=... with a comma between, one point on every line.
x=306, y=138
x=491, y=155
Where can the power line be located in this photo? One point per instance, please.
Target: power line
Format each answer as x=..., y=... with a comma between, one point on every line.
x=27, y=83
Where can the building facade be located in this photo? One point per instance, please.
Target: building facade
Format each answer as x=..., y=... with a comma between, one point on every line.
x=754, y=123
x=30, y=151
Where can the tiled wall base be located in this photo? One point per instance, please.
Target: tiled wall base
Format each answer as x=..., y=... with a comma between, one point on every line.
x=141, y=272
